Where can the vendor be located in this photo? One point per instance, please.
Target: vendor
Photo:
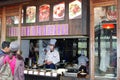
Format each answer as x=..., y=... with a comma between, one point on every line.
x=52, y=56
x=82, y=60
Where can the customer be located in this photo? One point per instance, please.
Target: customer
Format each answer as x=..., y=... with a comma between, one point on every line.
x=5, y=47
x=15, y=61
x=3, y=51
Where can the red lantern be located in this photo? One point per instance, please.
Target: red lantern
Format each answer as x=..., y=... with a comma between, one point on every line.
x=108, y=26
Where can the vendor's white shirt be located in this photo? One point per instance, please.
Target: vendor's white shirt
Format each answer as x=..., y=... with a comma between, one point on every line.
x=53, y=56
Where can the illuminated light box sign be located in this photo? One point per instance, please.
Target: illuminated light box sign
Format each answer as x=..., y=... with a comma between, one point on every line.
x=44, y=12
x=75, y=9
x=59, y=11
x=44, y=30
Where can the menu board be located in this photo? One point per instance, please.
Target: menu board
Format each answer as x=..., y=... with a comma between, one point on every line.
x=61, y=29
x=16, y=19
x=59, y=11
x=10, y=20
x=30, y=14
x=50, y=30
x=27, y=31
x=23, y=31
x=12, y=31
x=44, y=30
x=9, y=32
x=75, y=9
x=44, y=12
x=33, y=31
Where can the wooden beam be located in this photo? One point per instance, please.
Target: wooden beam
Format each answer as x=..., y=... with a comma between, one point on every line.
x=118, y=40
x=3, y=28
x=0, y=11
x=11, y=2
x=12, y=14
x=11, y=7
x=92, y=41
x=106, y=3
x=12, y=10
x=19, y=26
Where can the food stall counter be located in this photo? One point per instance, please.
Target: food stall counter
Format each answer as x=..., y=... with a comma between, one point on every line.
x=40, y=74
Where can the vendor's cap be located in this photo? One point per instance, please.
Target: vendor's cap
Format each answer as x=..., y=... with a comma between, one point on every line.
x=52, y=41
x=14, y=46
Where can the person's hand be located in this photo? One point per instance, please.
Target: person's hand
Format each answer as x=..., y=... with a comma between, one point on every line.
x=48, y=62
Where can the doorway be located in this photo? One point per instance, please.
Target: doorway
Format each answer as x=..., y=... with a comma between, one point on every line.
x=105, y=42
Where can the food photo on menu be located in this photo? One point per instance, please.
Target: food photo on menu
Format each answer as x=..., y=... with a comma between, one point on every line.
x=59, y=11
x=75, y=9
x=16, y=18
x=44, y=12
x=30, y=14
x=10, y=20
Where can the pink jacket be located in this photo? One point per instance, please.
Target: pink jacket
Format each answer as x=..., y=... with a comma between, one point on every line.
x=17, y=67
x=12, y=63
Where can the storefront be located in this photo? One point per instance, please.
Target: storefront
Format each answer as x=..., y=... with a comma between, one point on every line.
x=77, y=25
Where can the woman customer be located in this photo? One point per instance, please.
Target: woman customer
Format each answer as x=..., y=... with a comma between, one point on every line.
x=15, y=61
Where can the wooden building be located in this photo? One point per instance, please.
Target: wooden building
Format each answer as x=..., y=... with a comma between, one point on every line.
x=80, y=27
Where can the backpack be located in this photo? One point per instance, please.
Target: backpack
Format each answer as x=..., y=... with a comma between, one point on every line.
x=5, y=72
